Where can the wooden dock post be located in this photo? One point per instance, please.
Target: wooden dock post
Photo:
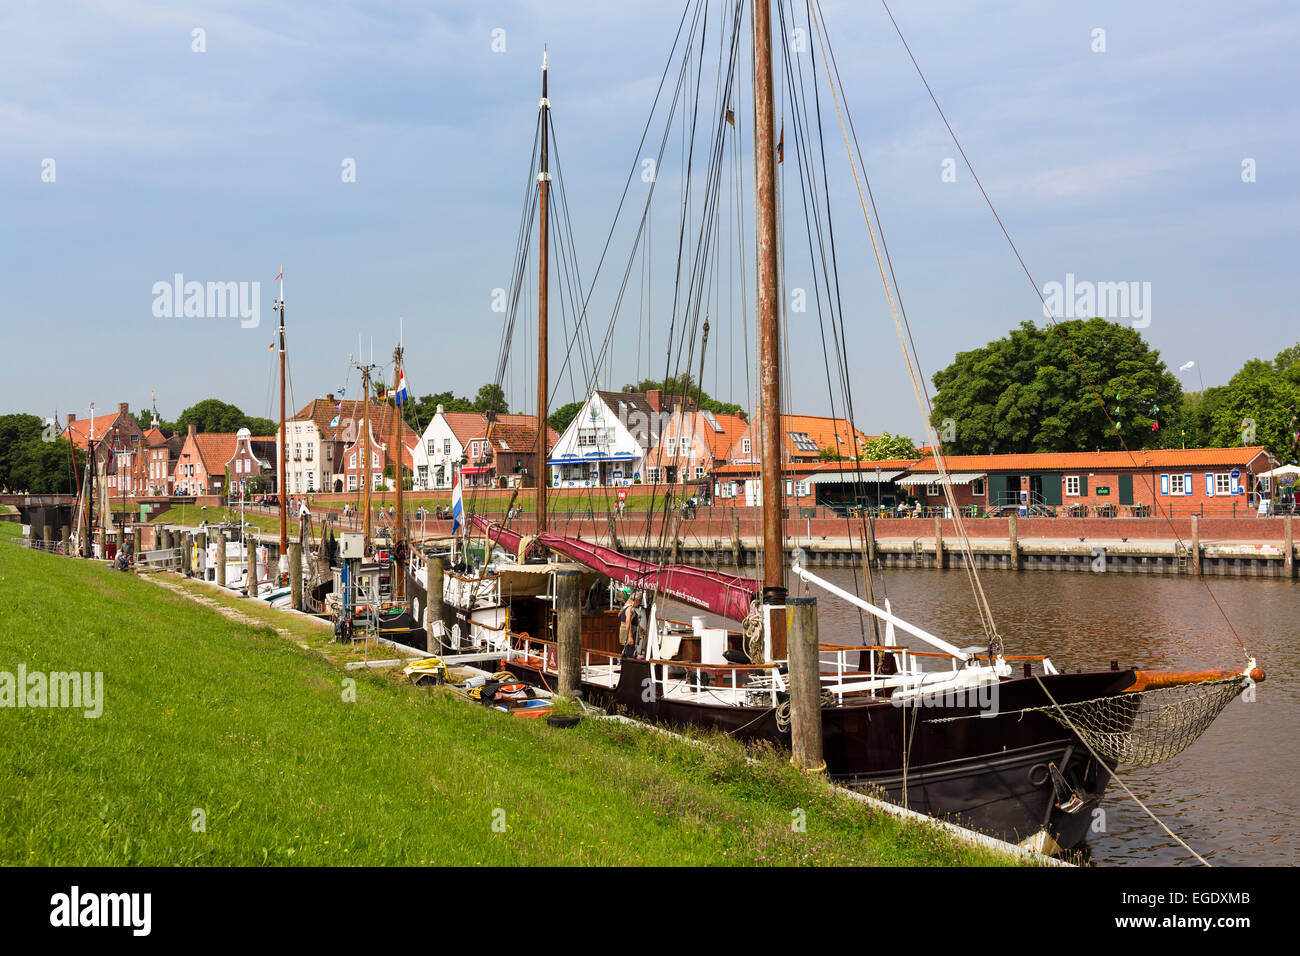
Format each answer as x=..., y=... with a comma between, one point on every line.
x=938, y=542
x=1196, y=544
x=1015, y=543
x=435, y=607
x=250, y=558
x=47, y=534
x=871, y=540
x=676, y=546
x=1288, y=550
x=737, y=553
x=187, y=553
x=568, y=619
x=221, y=559
x=137, y=541
x=805, y=684
x=613, y=533
x=295, y=575
x=67, y=540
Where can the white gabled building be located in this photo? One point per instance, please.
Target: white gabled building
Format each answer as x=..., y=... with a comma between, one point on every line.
x=606, y=443
x=443, y=445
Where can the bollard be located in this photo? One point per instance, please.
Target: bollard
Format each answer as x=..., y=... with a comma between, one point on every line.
x=250, y=558
x=1196, y=544
x=737, y=554
x=221, y=559
x=1015, y=543
x=568, y=584
x=938, y=542
x=295, y=575
x=1288, y=544
x=871, y=540
x=805, y=685
x=435, y=607
x=676, y=546
x=67, y=540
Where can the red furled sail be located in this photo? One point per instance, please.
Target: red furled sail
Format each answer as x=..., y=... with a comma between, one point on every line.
x=727, y=595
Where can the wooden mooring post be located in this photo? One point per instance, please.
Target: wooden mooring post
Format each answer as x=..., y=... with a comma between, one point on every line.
x=871, y=540
x=737, y=553
x=221, y=559
x=435, y=608
x=1196, y=544
x=250, y=558
x=1015, y=542
x=938, y=542
x=568, y=620
x=295, y=575
x=1288, y=550
x=676, y=545
x=805, y=684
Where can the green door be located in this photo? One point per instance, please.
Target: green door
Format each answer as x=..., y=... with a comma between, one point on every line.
x=997, y=490
x=1052, y=489
x=1126, y=489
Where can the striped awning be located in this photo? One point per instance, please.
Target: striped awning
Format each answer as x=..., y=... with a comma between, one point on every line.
x=852, y=476
x=956, y=478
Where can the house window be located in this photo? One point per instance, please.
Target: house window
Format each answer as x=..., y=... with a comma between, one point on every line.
x=977, y=487
x=1071, y=484
x=352, y=482
x=653, y=475
x=1223, y=484
x=1176, y=486
x=586, y=436
x=352, y=462
x=932, y=489
x=311, y=481
x=430, y=446
x=670, y=446
x=374, y=459
x=801, y=489
x=699, y=472
x=745, y=446
x=446, y=446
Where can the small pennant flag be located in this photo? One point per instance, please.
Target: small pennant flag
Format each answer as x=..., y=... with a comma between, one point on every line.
x=457, y=506
x=1155, y=426
x=343, y=390
x=1185, y=366
x=731, y=117
x=334, y=422
x=271, y=347
x=780, y=146
x=279, y=275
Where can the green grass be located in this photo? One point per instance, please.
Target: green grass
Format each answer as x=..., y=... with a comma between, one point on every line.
x=240, y=722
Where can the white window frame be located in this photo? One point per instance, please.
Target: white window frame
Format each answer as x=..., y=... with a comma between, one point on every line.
x=746, y=446
x=1072, y=482
x=1177, y=484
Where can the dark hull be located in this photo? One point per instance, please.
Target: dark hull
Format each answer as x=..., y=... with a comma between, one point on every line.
x=989, y=773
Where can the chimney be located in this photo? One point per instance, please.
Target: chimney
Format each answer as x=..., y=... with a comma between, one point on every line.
x=72, y=417
x=192, y=430
x=330, y=398
x=122, y=408
x=653, y=397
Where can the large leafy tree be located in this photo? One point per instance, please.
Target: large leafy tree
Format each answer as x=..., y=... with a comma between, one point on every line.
x=684, y=385
x=418, y=412
x=491, y=398
x=562, y=416
x=1258, y=406
x=214, y=415
x=34, y=459
x=1038, y=389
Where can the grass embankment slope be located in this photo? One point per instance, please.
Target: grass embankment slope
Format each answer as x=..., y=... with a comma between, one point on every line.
x=204, y=713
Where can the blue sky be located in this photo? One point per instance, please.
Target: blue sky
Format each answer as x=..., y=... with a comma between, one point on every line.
x=1123, y=165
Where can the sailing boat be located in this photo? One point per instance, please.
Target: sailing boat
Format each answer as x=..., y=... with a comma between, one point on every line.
x=1003, y=743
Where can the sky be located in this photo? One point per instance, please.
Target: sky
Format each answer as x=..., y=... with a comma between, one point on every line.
x=380, y=152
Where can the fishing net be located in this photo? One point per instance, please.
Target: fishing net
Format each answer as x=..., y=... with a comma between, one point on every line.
x=1143, y=728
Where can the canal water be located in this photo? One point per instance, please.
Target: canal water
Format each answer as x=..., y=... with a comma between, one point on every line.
x=1233, y=794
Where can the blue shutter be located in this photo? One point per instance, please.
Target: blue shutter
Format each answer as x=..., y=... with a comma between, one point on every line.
x=1187, y=484
x=1164, y=484
x=1209, y=484
x=1236, y=485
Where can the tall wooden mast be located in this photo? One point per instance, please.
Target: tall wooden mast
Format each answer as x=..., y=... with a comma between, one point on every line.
x=769, y=331
x=284, y=441
x=399, y=526
x=365, y=454
x=543, y=188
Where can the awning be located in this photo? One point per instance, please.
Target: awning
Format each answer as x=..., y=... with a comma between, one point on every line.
x=956, y=478
x=591, y=460
x=475, y=471
x=850, y=476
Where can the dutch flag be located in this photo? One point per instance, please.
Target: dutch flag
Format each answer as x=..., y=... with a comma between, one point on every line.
x=401, y=389
x=457, y=506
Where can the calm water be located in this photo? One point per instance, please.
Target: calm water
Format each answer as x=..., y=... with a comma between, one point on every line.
x=1232, y=795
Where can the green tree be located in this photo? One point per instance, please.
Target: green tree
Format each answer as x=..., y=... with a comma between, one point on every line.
x=491, y=398
x=888, y=446
x=685, y=386
x=1036, y=390
x=34, y=458
x=418, y=412
x=562, y=416
x=1256, y=408
x=214, y=415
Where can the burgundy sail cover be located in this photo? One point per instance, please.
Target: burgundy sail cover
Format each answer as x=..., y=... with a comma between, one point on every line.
x=727, y=595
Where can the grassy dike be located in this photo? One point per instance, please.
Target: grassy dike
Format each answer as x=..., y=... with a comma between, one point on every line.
x=245, y=724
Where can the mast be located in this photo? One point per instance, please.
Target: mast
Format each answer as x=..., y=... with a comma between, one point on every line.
x=769, y=332
x=365, y=455
x=284, y=440
x=90, y=492
x=399, y=528
x=543, y=188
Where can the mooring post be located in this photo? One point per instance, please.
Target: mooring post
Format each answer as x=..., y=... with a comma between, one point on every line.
x=805, y=684
x=47, y=534
x=737, y=554
x=187, y=553
x=1196, y=544
x=871, y=540
x=568, y=584
x=613, y=533
x=435, y=607
x=1288, y=550
x=221, y=559
x=250, y=555
x=677, y=521
x=137, y=542
x=938, y=542
x=1015, y=543
x=295, y=575
x=67, y=540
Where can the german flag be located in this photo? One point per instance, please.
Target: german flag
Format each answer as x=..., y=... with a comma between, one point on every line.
x=780, y=146
x=731, y=117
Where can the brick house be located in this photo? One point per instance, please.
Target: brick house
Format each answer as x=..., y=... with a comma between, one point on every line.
x=201, y=464
x=160, y=452
x=253, y=457
x=607, y=442
x=319, y=434
x=352, y=470
x=508, y=458
x=1168, y=480
x=119, y=448
x=691, y=445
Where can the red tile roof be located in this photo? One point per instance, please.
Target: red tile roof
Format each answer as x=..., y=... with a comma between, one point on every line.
x=1084, y=460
